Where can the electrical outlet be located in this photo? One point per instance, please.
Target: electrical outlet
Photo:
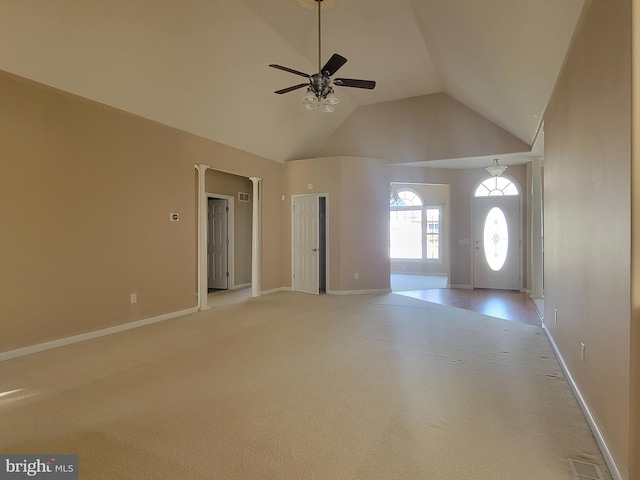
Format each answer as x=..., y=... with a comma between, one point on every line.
x=356, y=275
x=134, y=298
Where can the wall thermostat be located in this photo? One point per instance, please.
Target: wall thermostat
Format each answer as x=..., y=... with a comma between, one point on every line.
x=174, y=217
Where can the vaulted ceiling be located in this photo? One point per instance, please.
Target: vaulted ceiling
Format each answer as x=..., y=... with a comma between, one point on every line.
x=202, y=65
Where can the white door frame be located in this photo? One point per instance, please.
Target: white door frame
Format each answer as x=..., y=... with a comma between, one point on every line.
x=202, y=290
x=326, y=243
x=520, y=232
x=230, y=235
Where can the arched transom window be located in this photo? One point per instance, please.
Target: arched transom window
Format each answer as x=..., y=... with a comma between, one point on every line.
x=405, y=198
x=496, y=187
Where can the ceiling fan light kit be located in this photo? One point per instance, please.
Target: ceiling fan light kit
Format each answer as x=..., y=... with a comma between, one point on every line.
x=320, y=87
x=331, y=98
x=326, y=108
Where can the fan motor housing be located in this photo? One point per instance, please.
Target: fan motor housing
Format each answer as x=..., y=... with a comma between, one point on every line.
x=321, y=84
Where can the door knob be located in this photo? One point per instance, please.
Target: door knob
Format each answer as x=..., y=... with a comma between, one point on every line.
x=314, y=249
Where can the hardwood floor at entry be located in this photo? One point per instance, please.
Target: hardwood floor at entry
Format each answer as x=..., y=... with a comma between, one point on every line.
x=505, y=304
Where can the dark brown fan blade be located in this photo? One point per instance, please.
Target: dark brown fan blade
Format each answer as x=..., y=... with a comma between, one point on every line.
x=290, y=70
x=335, y=62
x=291, y=89
x=351, y=82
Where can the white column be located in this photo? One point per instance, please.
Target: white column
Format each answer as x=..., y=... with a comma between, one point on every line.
x=203, y=303
x=537, y=261
x=255, y=238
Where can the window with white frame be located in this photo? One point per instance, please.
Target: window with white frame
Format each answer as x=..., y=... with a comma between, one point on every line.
x=496, y=187
x=415, y=228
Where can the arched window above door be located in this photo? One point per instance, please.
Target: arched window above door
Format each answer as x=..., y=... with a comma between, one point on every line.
x=496, y=187
x=405, y=198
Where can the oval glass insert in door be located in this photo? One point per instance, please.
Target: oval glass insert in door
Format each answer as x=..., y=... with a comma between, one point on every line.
x=496, y=239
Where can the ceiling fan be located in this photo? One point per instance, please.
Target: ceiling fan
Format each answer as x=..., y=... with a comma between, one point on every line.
x=320, y=85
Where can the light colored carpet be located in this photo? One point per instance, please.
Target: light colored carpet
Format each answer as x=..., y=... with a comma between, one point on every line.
x=291, y=386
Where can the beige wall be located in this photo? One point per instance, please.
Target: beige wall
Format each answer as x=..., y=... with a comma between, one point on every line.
x=430, y=127
x=634, y=370
x=86, y=192
x=324, y=176
x=222, y=183
x=364, y=239
x=587, y=218
x=357, y=191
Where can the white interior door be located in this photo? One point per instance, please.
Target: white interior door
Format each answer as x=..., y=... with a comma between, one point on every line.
x=305, y=244
x=497, y=240
x=217, y=244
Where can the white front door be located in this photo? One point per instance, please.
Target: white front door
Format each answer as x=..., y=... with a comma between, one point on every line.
x=496, y=242
x=217, y=244
x=305, y=244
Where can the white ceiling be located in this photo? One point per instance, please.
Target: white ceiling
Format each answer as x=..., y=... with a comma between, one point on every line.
x=202, y=65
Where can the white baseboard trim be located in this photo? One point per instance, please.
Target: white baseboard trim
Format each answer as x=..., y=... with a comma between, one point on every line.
x=466, y=287
x=597, y=433
x=275, y=290
x=330, y=292
x=242, y=285
x=358, y=292
x=41, y=347
x=422, y=274
x=539, y=303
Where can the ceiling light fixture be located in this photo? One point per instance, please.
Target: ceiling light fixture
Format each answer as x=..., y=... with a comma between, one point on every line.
x=495, y=168
x=320, y=85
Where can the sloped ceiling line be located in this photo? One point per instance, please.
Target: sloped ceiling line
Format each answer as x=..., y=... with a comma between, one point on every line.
x=202, y=65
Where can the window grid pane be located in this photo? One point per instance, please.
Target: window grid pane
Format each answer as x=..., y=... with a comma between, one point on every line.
x=406, y=234
x=414, y=228
x=433, y=234
x=496, y=186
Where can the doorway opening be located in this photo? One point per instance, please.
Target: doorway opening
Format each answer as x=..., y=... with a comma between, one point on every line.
x=497, y=237
x=309, y=244
x=243, y=202
x=322, y=244
x=219, y=242
x=229, y=203
x=419, y=236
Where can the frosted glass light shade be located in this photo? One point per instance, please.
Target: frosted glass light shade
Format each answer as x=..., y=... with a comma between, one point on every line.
x=331, y=99
x=496, y=169
x=309, y=97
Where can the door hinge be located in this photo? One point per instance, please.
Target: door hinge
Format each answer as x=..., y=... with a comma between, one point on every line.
x=227, y=241
x=227, y=274
x=227, y=209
